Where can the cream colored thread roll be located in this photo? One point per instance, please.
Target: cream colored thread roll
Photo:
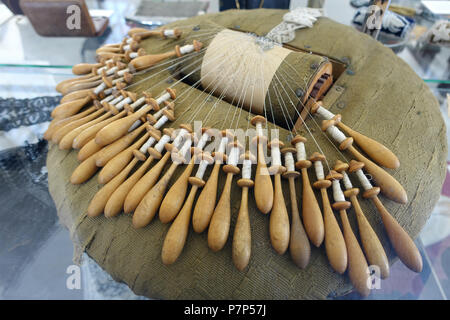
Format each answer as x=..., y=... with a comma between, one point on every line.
x=347, y=183
x=120, y=105
x=127, y=47
x=338, y=195
x=336, y=134
x=161, y=122
x=301, y=152
x=276, y=156
x=112, y=70
x=179, y=137
x=122, y=72
x=136, y=124
x=259, y=130
x=147, y=145
x=187, y=49
x=201, y=143
x=186, y=147
x=289, y=161
x=137, y=103
x=100, y=88
x=116, y=100
x=108, y=91
x=231, y=77
x=201, y=169
x=107, y=99
x=363, y=179
x=325, y=113
x=233, y=158
x=319, y=170
x=163, y=98
x=169, y=33
x=222, y=145
x=129, y=40
x=162, y=142
x=247, y=169
x=117, y=80
x=159, y=113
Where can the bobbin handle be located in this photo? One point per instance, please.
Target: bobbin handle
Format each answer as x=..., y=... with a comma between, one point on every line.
x=263, y=183
x=375, y=150
x=116, y=129
x=173, y=201
x=403, y=244
x=84, y=171
x=115, y=202
x=149, y=204
x=358, y=270
x=70, y=108
x=312, y=217
x=389, y=186
x=242, y=239
x=144, y=185
x=334, y=240
x=204, y=208
x=149, y=60
x=279, y=220
x=119, y=161
x=59, y=133
x=219, y=226
x=299, y=247
x=88, y=150
x=57, y=124
x=371, y=244
x=98, y=202
x=177, y=234
x=76, y=95
x=85, y=68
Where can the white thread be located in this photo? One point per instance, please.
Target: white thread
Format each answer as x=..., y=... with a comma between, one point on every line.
x=133, y=55
x=122, y=103
x=147, y=145
x=179, y=137
x=319, y=170
x=161, y=122
x=338, y=195
x=112, y=70
x=325, y=113
x=99, y=70
x=187, y=49
x=202, y=142
x=159, y=113
x=122, y=72
x=163, y=98
x=233, y=158
x=169, y=33
x=347, y=183
x=129, y=40
x=363, y=179
x=100, y=88
x=201, y=169
x=117, y=80
x=107, y=99
x=108, y=91
x=247, y=169
x=336, y=134
x=276, y=157
x=259, y=130
x=301, y=152
x=127, y=47
x=289, y=161
x=116, y=100
x=137, y=103
x=186, y=147
x=136, y=124
x=222, y=145
x=162, y=142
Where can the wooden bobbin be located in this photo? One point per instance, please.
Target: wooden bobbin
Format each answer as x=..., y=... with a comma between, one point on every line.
x=70, y=108
x=118, y=128
x=176, y=236
x=206, y=202
x=87, y=150
x=219, y=226
x=242, y=238
x=299, y=246
x=311, y=214
x=56, y=124
x=147, y=61
x=371, y=244
x=334, y=240
x=263, y=184
x=149, y=179
x=390, y=187
x=279, y=228
x=358, y=270
x=150, y=203
x=85, y=68
x=403, y=244
x=375, y=150
x=117, y=199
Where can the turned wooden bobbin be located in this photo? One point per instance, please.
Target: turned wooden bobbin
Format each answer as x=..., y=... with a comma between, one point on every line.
x=334, y=240
x=358, y=270
x=279, y=219
x=312, y=216
x=177, y=234
x=263, y=183
x=390, y=187
x=400, y=240
x=219, y=226
x=206, y=202
x=299, y=246
x=242, y=239
x=371, y=244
